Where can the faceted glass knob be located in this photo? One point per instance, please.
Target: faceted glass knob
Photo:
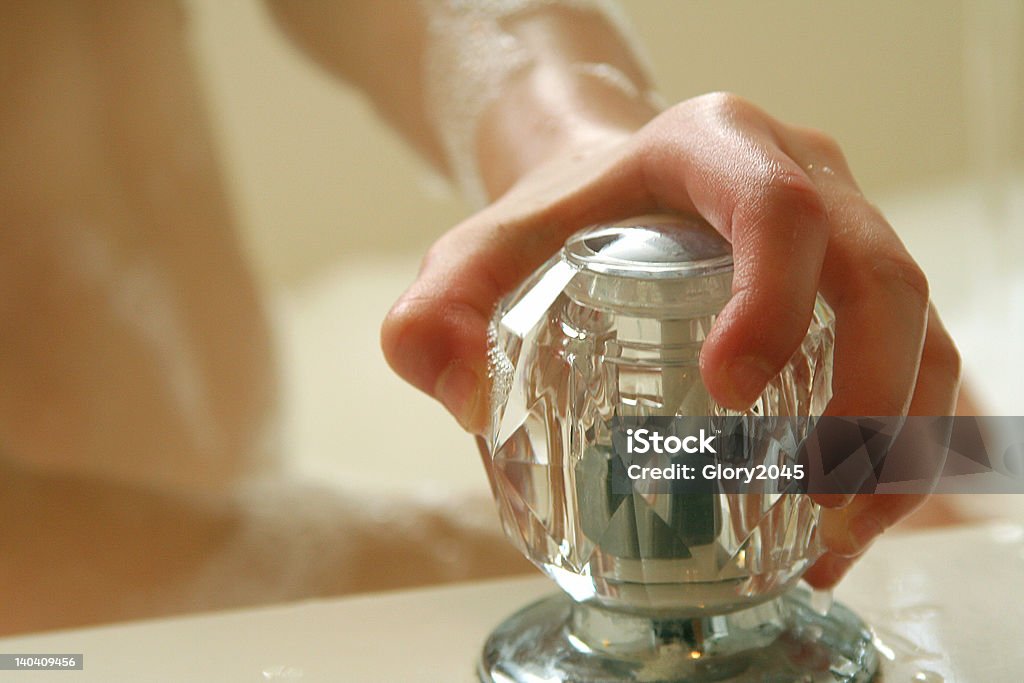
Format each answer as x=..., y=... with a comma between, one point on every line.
x=610, y=330
x=672, y=581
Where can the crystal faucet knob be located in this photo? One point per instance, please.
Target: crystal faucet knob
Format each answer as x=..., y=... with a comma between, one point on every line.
x=675, y=579
x=608, y=330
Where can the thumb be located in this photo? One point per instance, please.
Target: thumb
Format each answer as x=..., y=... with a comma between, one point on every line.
x=435, y=336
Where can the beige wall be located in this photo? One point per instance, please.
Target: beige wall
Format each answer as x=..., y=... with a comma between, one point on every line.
x=885, y=78
x=317, y=178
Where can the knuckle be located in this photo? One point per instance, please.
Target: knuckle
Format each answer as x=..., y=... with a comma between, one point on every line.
x=725, y=105
x=796, y=193
x=786, y=196
x=902, y=272
x=726, y=100
x=822, y=143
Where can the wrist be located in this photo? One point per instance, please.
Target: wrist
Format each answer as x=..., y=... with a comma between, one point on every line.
x=555, y=109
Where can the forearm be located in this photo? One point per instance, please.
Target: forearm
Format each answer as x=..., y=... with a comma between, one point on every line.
x=377, y=47
x=485, y=94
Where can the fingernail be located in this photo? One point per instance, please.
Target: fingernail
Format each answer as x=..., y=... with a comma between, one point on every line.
x=826, y=572
x=747, y=377
x=864, y=529
x=458, y=388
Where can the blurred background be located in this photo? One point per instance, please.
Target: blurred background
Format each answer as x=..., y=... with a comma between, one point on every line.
x=925, y=97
